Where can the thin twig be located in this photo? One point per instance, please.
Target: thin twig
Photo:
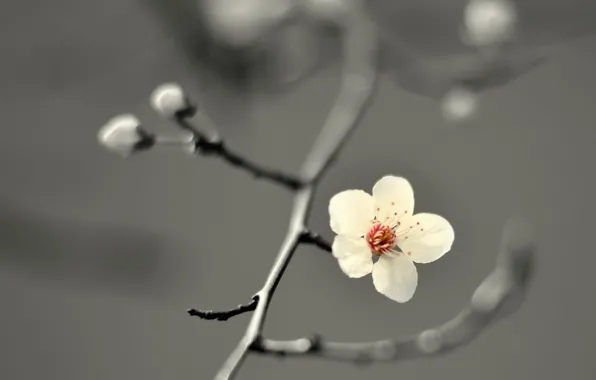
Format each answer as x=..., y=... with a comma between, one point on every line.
x=309, y=237
x=212, y=145
x=226, y=314
x=360, y=48
x=497, y=296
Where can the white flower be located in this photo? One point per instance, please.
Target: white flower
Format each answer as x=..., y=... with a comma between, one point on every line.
x=382, y=225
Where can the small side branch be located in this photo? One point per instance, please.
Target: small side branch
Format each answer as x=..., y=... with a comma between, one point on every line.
x=500, y=294
x=310, y=237
x=225, y=314
x=219, y=148
x=212, y=145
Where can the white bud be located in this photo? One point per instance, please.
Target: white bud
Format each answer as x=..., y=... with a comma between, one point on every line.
x=489, y=22
x=169, y=99
x=459, y=104
x=121, y=135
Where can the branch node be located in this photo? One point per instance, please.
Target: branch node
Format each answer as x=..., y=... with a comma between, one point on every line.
x=206, y=147
x=310, y=237
x=315, y=341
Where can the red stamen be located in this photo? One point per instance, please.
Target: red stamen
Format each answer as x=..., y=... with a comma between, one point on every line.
x=380, y=239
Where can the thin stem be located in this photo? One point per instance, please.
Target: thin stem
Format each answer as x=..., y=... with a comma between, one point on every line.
x=356, y=90
x=226, y=314
x=497, y=296
x=306, y=237
x=174, y=140
x=256, y=170
x=212, y=145
x=255, y=326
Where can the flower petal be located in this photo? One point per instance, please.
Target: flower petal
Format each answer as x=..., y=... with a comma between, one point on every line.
x=425, y=237
x=395, y=277
x=353, y=255
x=351, y=212
x=394, y=197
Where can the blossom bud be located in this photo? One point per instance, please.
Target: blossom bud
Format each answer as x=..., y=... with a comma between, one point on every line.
x=123, y=135
x=169, y=100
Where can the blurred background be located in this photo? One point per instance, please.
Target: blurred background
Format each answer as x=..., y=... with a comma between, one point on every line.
x=100, y=257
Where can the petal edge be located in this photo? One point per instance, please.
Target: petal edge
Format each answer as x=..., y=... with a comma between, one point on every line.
x=353, y=256
x=393, y=197
x=425, y=237
x=351, y=212
x=395, y=277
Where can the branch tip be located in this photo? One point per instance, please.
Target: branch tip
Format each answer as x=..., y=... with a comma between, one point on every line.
x=226, y=314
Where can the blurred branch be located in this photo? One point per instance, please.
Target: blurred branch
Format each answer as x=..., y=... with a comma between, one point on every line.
x=504, y=285
x=360, y=49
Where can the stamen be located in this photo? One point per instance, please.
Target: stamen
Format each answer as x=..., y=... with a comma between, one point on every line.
x=381, y=239
x=411, y=232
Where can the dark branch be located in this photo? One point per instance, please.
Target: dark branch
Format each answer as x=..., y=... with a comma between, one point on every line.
x=309, y=237
x=500, y=294
x=212, y=145
x=225, y=314
x=218, y=148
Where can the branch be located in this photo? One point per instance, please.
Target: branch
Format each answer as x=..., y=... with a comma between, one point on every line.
x=500, y=294
x=360, y=48
x=309, y=237
x=212, y=145
x=226, y=314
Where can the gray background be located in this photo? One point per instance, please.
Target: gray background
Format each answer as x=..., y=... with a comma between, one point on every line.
x=100, y=258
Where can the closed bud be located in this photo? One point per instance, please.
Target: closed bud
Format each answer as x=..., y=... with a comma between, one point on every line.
x=169, y=100
x=123, y=135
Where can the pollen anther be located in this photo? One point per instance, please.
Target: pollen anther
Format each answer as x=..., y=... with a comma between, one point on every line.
x=381, y=239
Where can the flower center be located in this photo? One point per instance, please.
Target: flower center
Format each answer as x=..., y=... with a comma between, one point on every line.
x=380, y=238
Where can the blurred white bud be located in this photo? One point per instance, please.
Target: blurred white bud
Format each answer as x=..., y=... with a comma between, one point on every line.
x=459, y=104
x=122, y=135
x=489, y=22
x=169, y=99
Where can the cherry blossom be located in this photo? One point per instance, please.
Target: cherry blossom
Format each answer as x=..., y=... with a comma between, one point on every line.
x=379, y=234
